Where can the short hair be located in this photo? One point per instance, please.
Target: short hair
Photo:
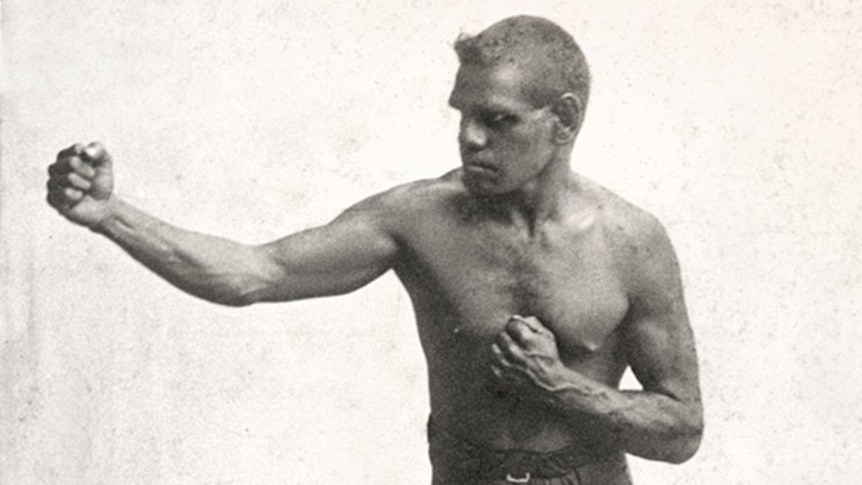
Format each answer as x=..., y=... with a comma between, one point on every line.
x=535, y=43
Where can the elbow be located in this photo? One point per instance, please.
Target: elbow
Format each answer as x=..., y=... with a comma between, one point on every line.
x=686, y=444
x=685, y=451
x=243, y=295
x=675, y=445
x=687, y=434
x=237, y=300
x=237, y=293
x=233, y=302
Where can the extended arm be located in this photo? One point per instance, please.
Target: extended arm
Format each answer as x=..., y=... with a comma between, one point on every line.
x=349, y=252
x=664, y=420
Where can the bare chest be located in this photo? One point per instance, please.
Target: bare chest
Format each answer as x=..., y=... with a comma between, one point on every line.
x=469, y=282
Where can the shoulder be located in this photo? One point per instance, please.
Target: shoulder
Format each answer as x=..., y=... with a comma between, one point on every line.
x=406, y=202
x=623, y=221
x=637, y=239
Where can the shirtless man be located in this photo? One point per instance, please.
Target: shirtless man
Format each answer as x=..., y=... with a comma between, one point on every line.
x=533, y=287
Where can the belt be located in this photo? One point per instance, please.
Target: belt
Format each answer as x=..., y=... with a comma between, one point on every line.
x=460, y=459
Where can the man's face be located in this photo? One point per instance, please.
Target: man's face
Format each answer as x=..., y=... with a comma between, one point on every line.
x=505, y=140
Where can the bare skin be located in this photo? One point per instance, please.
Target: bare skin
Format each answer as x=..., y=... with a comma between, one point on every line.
x=533, y=287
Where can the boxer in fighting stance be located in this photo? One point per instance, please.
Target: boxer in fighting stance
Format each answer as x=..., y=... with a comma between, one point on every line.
x=533, y=287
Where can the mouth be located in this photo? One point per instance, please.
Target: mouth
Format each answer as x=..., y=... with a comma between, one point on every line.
x=480, y=168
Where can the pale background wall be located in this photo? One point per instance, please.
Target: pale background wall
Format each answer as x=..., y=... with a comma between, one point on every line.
x=738, y=123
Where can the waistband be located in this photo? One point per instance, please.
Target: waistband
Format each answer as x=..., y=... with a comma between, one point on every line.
x=459, y=458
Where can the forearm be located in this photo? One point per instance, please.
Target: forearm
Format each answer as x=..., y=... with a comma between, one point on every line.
x=647, y=424
x=208, y=267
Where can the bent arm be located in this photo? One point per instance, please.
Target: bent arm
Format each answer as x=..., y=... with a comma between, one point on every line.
x=342, y=256
x=664, y=420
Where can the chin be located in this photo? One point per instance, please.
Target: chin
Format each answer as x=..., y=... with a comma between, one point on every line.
x=481, y=188
x=481, y=184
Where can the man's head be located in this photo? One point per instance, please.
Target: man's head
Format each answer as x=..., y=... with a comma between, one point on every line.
x=521, y=89
x=541, y=47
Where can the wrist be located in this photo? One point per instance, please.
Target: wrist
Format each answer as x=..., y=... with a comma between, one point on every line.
x=572, y=390
x=99, y=225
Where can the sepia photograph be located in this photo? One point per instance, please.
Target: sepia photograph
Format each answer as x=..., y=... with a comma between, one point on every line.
x=446, y=243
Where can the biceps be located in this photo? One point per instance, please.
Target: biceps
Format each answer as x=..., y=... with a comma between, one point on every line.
x=661, y=351
x=334, y=259
x=659, y=340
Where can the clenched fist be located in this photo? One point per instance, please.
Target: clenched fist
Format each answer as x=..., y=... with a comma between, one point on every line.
x=525, y=356
x=80, y=184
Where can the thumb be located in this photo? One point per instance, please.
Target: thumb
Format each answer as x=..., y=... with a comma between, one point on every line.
x=97, y=157
x=530, y=322
x=95, y=154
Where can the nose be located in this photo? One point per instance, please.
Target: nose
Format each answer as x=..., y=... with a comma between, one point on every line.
x=472, y=134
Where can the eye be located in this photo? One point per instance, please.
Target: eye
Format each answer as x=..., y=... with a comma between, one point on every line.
x=498, y=119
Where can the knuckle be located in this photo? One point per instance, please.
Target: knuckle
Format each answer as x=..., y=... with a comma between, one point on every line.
x=72, y=194
x=62, y=165
x=70, y=151
x=517, y=330
x=78, y=181
x=85, y=170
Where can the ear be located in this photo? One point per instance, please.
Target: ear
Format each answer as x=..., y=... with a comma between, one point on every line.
x=570, y=117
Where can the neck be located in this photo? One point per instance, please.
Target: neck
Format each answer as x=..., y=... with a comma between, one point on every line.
x=540, y=200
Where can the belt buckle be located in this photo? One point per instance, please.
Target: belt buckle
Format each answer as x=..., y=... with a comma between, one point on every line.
x=524, y=479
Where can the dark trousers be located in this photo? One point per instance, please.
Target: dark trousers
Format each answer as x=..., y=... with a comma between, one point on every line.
x=458, y=462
